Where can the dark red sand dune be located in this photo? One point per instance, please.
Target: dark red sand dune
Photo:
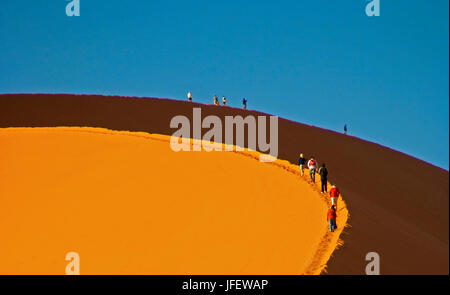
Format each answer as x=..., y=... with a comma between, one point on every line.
x=398, y=205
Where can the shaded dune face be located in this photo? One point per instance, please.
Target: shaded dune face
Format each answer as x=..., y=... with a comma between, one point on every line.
x=128, y=204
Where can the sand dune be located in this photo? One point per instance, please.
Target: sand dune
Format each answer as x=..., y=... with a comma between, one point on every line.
x=399, y=205
x=128, y=204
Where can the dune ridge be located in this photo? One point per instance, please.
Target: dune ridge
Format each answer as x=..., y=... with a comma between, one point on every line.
x=399, y=204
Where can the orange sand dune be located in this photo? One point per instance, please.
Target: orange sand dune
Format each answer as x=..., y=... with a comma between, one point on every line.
x=128, y=204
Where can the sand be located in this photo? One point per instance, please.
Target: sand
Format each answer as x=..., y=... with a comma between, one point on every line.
x=399, y=205
x=128, y=204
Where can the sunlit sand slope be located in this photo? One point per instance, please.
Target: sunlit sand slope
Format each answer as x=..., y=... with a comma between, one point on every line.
x=128, y=204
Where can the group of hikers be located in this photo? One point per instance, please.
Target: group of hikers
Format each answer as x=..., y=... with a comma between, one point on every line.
x=217, y=102
x=244, y=105
x=312, y=165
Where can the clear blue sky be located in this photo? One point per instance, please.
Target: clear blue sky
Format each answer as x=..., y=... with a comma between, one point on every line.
x=319, y=62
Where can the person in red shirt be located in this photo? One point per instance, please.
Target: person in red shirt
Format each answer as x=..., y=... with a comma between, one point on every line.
x=334, y=194
x=331, y=218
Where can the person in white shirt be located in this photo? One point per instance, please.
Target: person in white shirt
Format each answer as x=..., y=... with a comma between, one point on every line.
x=312, y=166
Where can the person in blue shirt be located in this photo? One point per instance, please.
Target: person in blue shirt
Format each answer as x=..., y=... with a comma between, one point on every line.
x=244, y=104
x=301, y=163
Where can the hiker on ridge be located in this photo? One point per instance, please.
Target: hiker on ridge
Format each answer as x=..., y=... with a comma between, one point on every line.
x=244, y=103
x=323, y=172
x=224, y=100
x=345, y=129
x=301, y=163
x=189, y=95
x=334, y=194
x=216, y=100
x=331, y=218
x=312, y=166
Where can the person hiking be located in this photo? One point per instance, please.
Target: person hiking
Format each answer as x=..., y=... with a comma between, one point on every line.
x=244, y=104
x=224, y=100
x=334, y=194
x=312, y=166
x=216, y=100
x=301, y=163
x=323, y=172
x=345, y=129
x=331, y=218
x=189, y=95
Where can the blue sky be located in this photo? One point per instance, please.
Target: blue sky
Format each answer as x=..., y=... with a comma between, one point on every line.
x=320, y=62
